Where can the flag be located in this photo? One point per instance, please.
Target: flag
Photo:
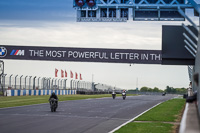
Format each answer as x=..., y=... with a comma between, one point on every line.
x=76, y=75
x=62, y=73
x=56, y=72
x=80, y=77
x=65, y=73
x=71, y=74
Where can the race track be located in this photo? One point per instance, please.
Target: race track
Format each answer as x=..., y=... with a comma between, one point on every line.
x=78, y=116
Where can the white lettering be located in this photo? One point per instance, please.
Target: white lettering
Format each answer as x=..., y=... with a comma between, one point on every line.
x=20, y=52
x=48, y=54
x=87, y=55
x=136, y=56
x=75, y=54
x=81, y=55
x=131, y=56
x=91, y=54
x=69, y=53
x=111, y=56
x=116, y=55
x=155, y=56
x=144, y=56
x=55, y=54
x=32, y=52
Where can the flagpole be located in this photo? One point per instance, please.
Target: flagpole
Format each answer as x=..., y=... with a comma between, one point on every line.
x=92, y=82
x=137, y=84
x=92, y=77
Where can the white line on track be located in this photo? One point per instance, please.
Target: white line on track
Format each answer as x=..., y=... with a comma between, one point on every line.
x=132, y=119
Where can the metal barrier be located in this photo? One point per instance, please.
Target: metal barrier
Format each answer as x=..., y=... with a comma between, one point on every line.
x=21, y=82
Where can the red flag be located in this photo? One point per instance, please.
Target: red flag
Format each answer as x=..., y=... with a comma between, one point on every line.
x=80, y=77
x=71, y=74
x=65, y=73
x=62, y=73
x=56, y=72
x=76, y=75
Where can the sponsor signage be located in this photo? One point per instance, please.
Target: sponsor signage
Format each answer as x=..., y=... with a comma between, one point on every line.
x=81, y=54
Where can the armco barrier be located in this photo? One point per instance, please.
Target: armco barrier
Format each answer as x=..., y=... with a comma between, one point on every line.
x=38, y=92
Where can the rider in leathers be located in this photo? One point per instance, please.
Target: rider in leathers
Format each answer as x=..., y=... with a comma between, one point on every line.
x=53, y=95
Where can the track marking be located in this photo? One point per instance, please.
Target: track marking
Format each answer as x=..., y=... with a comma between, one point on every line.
x=133, y=118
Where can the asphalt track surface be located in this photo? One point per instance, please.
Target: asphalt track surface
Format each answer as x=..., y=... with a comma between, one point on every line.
x=79, y=116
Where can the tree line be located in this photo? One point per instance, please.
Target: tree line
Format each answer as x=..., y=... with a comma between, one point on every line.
x=168, y=89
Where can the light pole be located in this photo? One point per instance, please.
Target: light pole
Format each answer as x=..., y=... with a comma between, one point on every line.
x=15, y=81
x=92, y=78
x=77, y=88
x=58, y=83
x=10, y=80
x=38, y=82
x=34, y=82
x=61, y=83
x=65, y=83
x=49, y=83
x=20, y=82
x=25, y=81
x=71, y=84
x=30, y=82
x=137, y=84
x=52, y=83
x=4, y=76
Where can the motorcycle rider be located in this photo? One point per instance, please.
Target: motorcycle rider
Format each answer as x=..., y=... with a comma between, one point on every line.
x=53, y=95
x=124, y=92
x=113, y=94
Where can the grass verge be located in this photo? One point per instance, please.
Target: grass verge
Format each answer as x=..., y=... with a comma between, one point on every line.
x=145, y=128
x=166, y=112
x=154, y=120
x=29, y=100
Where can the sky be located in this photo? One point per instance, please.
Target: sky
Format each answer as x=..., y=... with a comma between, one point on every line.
x=52, y=23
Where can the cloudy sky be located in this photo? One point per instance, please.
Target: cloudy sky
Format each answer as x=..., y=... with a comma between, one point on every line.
x=53, y=23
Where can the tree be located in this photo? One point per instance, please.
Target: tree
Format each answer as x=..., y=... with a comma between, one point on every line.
x=144, y=89
x=168, y=89
x=150, y=90
x=155, y=89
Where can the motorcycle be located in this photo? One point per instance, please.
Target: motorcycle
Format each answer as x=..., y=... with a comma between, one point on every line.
x=113, y=95
x=124, y=96
x=53, y=104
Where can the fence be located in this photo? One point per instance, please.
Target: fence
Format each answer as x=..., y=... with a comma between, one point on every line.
x=34, y=82
x=21, y=82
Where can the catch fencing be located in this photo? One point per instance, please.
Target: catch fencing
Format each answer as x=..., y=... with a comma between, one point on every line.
x=21, y=82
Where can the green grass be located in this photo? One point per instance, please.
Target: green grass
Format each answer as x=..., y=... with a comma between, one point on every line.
x=169, y=111
x=29, y=100
x=145, y=128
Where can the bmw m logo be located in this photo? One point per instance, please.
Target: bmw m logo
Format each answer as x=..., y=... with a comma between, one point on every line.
x=3, y=51
x=17, y=52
